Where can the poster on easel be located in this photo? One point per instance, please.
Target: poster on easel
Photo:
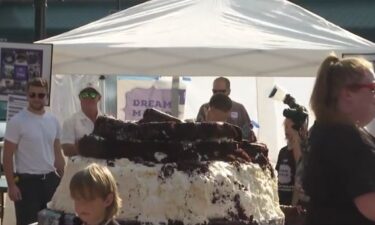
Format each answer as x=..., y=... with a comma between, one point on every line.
x=21, y=62
x=16, y=103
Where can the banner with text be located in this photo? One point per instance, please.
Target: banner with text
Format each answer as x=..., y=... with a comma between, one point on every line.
x=135, y=96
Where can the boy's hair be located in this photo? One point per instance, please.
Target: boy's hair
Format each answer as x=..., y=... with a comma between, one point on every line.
x=96, y=181
x=221, y=102
x=38, y=82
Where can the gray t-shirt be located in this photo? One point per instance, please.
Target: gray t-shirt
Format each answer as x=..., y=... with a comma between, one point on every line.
x=238, y=116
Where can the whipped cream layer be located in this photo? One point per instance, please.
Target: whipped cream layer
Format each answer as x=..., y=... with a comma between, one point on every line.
x=160, y=192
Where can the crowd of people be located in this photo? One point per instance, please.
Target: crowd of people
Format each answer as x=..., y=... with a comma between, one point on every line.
x=327, y=172
x=32, y=138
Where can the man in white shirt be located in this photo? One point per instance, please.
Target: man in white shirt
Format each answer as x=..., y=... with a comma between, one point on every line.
x=81, y=123
x=33, y=137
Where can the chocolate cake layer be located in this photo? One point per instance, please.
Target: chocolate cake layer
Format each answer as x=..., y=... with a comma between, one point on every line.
x=155, y=115
x=116, y=129
x=169, y=151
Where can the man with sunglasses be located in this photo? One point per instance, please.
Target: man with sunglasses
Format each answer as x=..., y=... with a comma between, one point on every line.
x=33, y=137
x=81, y=123
x=238, y=114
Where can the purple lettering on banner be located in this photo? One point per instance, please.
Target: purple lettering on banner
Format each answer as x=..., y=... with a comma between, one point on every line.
x=151, y=103
x=136, y=102
x=167, y=105
x=137, y=113
x=158, y=105
x=139, y=99
x=144, y=103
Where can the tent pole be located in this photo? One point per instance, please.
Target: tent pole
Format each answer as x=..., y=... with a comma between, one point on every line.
x=175, y=95
x=104, y=94
x=40, y=19
x=118, y=5
x=267, y=117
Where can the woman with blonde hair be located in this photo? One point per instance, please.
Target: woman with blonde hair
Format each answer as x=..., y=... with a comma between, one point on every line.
x=95, y=195
x=340, y=170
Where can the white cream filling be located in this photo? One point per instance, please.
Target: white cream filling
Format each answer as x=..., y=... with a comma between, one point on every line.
x=147, y=198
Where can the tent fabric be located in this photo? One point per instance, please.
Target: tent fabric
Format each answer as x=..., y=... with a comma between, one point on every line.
x=204, y=38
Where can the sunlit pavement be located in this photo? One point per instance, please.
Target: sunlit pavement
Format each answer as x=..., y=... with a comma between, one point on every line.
x=9, y=213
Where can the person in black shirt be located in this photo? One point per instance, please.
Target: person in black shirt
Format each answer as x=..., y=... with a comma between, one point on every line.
x=286, y=164
x=339, y=175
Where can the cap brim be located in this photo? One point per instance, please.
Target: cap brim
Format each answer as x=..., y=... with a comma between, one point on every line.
x=90, y=89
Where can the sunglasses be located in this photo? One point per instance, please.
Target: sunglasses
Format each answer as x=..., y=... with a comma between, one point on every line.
x=40, y=95
x=370, y=86
x=88, y=94
x=219, y=91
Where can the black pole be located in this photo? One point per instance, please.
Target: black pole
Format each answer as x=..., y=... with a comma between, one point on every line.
x=40, y=19
x=118, y=5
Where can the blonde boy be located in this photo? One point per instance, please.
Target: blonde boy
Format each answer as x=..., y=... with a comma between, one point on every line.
x=95, y=195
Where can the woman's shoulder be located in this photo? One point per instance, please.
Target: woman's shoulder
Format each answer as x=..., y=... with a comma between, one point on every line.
x=334, y=130
x=335, y=135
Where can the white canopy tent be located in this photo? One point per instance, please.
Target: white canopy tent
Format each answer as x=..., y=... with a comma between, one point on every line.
x=258, y=38
x=204, y=37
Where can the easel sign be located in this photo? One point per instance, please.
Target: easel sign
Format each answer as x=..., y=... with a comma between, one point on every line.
x=21, y=62
x=16, y=103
